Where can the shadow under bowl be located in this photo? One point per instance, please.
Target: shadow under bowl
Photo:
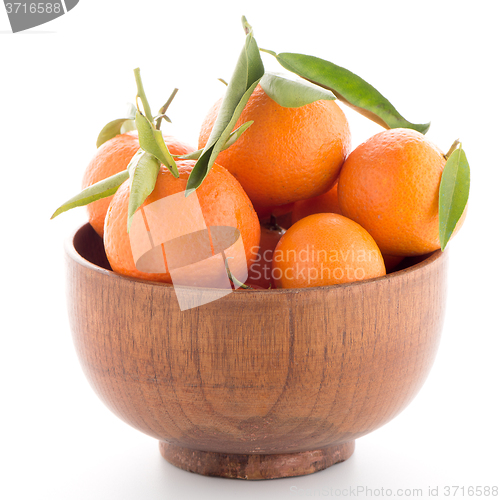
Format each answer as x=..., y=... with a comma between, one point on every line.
x=258, y=384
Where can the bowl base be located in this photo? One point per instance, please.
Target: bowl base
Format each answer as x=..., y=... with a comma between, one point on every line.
x=255, y=466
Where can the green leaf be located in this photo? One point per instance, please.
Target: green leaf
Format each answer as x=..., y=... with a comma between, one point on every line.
x=143, y=173
x=128, y=126
x=101, y=189
x=292, y=94
x=159, y=118
x=114, y=128
x=246, y=76
x=119, y=126
x=349, y=88
x=152, y=141
x=453, y=194
x=236, y=134
x=233, y=137
x=135, y=159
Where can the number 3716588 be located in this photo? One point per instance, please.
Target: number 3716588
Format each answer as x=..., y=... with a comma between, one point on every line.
x=33, y=8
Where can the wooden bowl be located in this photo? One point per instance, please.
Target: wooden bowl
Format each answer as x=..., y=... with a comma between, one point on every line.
x=258, y=384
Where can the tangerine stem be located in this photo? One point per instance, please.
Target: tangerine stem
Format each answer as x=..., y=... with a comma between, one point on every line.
x=141, y=94
x=268, y=51
x=236, y=281
x=452, y=148
x=164, y=108
x=246, y=25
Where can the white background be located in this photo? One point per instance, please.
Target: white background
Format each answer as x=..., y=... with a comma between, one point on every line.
x=59, y=83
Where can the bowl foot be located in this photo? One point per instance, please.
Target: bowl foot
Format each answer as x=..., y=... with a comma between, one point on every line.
x=255, y=466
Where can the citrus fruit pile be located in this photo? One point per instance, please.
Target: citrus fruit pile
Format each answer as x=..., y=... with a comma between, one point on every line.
x=274, y=162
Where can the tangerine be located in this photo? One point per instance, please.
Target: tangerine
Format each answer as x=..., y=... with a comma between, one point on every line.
x=288, y=154
x=324, y=203
x=325, y=249
x=390, y=185
x=111, y=158
x=223, y=202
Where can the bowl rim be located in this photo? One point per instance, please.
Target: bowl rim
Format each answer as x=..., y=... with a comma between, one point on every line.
x=72, y=253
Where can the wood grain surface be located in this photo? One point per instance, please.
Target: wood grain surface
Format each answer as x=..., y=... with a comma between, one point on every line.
x=273, y=372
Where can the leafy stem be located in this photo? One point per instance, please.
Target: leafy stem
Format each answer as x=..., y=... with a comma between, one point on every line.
x=164, y=108
x=246, y=76
x=142, y=95
x=150, y=138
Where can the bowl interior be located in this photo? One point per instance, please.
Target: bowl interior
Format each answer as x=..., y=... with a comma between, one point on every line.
x=89, y=246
